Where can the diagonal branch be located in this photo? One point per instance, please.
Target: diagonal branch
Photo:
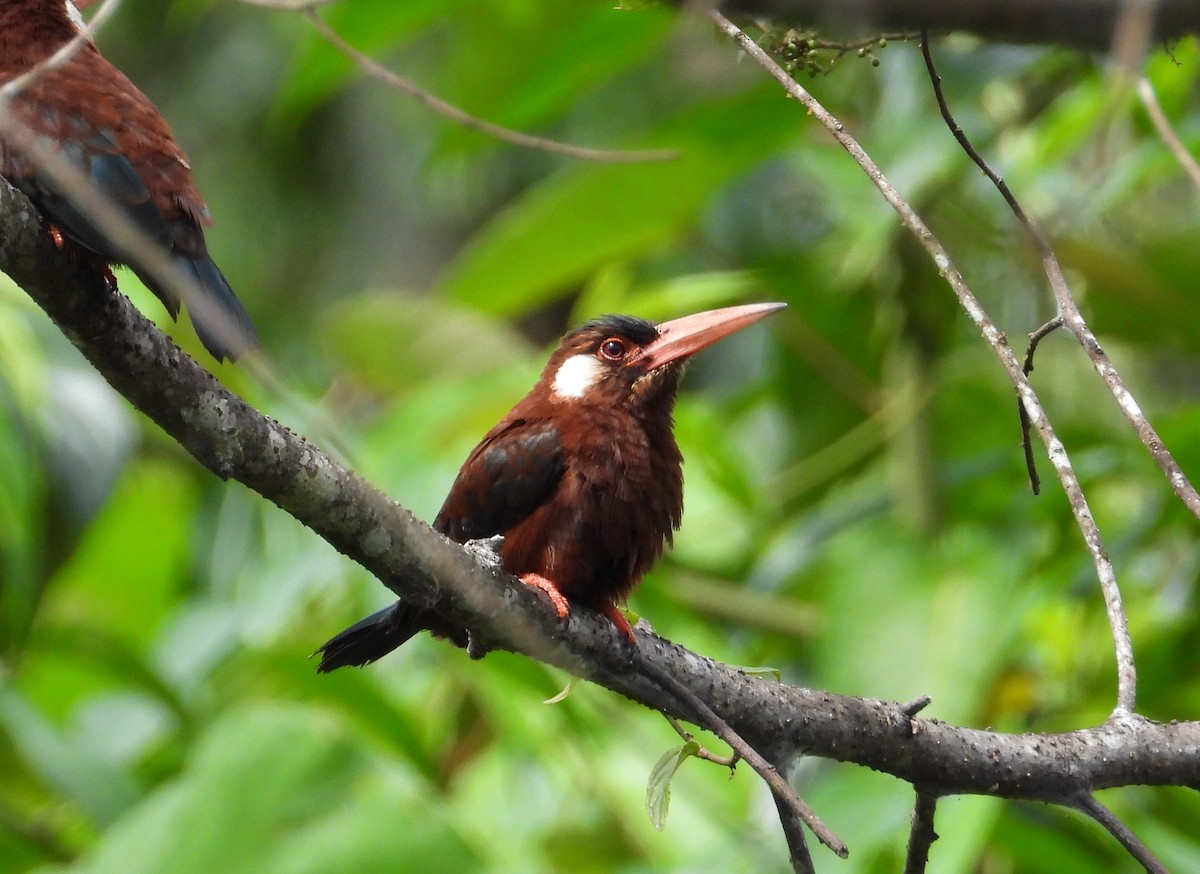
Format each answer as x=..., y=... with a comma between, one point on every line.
x=1097, y=811
x=1068, y=310
x=1070, y=316
x=448, y=110
x=1149, y=100
x=1126, y=672
x=786, y=798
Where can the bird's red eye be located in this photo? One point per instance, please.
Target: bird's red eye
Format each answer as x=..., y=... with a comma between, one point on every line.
x=613, y=349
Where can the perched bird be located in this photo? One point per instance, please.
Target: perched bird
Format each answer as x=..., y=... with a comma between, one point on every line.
x=88, y=114
x=583, y=477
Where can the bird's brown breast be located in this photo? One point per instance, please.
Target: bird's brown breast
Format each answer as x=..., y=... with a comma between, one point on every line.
x=611, y=513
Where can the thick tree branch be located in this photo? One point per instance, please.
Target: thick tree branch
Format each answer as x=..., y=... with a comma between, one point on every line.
x=1084, y=24
x=783, y=722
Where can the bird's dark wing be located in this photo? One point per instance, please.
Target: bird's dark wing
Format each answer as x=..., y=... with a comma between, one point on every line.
x=513, y=469
x=97, y=155
x=508, y=475
x=125, y=149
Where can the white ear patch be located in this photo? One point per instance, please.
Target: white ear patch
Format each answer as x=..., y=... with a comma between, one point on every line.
x=576, y=375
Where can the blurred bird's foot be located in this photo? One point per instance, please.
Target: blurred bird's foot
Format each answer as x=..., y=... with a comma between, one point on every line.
x=537, y=581
x=59, y=239
x=614, y=614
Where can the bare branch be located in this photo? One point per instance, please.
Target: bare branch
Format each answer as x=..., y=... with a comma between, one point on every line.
x=784, y=794
x=458, y=116
x=1149, y=99
x=1035, y=339
x=1127, y=678
x=915, y=706
x=793, y=832
x=1086, y=24
x=1069, y=314
x=922, y=835
x=1097, y=811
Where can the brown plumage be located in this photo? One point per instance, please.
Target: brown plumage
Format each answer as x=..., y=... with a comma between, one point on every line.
x=583, y=477
x=88, y=112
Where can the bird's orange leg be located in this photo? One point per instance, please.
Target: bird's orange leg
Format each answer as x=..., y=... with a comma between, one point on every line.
x=537, y=581
x=614, y=614
x=59, y=239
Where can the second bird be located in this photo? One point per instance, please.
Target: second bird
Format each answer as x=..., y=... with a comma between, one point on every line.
x=583, y=477
x=87, y=112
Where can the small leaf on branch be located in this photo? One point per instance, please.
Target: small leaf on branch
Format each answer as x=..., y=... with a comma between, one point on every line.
x=762, y=672
x=562, y=695
x=658, y=789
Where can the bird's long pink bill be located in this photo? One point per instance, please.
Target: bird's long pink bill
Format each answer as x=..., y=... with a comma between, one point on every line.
x=685, y=336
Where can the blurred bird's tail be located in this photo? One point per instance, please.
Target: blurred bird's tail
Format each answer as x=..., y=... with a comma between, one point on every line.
x=220, y=320
x=372, y=638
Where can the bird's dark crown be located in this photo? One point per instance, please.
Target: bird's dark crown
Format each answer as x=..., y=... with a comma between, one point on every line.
x=640, y=331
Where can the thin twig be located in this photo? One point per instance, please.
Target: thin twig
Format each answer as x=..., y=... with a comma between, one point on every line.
x=793, y=831
x=1126, y=674
x=730, y=761
x=1069, y=313
x=1166, y=133
x=1073, y=319
x=782, y=790
x=922, y=835
x=844, y=48
x=1035, y=338
x=458, y=116
x=1141, y=853
x=915, y=706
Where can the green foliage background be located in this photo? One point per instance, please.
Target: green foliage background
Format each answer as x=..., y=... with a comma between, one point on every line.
x=858, y=515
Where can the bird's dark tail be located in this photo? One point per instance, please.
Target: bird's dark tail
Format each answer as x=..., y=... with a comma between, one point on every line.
x=220, y=320
x=372, y=638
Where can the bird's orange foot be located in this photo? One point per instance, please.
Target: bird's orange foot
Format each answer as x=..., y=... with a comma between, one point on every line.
x=56, y=236
x=537, y=581
x=614, y=614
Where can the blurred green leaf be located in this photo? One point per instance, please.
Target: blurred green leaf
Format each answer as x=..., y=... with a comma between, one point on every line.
x=391, y=341
x=240, y=805
x=102, y=791
x=658, y=788
x=588, y=215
